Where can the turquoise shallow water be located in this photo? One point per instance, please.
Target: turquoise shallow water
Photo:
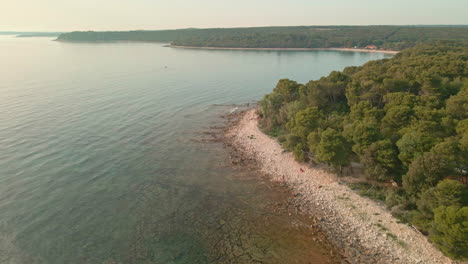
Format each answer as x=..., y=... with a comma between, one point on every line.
x=101, y=159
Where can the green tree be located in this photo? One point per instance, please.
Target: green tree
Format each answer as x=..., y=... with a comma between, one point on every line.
x=362, y=134
x=313, y=140
x=450, y=231
x=381, y=161
x=289, y=90
x=291, y=142
x=395, y=118
x=304, y=122
x=362, y=127
x=269, y=108
x=446, y=193
x=327, y=93
x=454, y=155
x=457, y=105
x=289, y=111
x=425, y=172
x=414, y=144
x=299, y=152
x=462, y=131
x=364, y=110
x=333, y=149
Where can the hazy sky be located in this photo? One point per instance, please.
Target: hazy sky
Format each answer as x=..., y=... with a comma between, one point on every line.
x=68, y=15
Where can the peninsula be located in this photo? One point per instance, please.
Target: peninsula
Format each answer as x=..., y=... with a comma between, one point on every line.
x=299, y=37
x=393, y=130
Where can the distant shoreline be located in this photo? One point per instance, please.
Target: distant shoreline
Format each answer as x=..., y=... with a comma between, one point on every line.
x=288, y=49
x=393, y=52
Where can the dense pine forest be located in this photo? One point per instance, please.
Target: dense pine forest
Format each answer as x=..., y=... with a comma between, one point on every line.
x=403, y=121
x=384, y=37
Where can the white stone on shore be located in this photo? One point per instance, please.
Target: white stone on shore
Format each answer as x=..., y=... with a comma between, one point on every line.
x=351, y=224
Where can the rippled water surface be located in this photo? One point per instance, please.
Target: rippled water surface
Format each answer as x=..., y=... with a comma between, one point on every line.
x=103, y=157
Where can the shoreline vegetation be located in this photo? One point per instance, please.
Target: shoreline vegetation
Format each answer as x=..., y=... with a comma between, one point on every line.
x=362, y=230
x=397, y=129
x=295, y=37
x=290, y=49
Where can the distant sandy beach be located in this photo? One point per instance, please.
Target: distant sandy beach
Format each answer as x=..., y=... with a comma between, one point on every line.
x=362, y=228
x=289, y=49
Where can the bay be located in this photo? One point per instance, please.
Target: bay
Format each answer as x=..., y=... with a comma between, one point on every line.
x=104, y=159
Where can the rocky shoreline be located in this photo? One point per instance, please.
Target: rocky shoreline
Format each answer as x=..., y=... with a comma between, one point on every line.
x=362, y=230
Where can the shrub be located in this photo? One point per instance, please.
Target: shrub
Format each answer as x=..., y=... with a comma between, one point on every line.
x=450, y=231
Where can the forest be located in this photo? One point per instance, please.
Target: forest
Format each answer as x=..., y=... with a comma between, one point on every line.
x=384, y=37
x=402, y=123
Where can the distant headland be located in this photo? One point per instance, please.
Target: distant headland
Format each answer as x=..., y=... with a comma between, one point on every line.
x=393, y=38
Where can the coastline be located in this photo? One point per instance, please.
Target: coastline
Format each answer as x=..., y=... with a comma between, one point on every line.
x=362, y=229
x=288, y=49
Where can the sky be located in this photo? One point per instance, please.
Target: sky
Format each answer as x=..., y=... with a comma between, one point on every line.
x=71, y=15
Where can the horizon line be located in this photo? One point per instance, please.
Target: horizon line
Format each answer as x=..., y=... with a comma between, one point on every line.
x=185, y=28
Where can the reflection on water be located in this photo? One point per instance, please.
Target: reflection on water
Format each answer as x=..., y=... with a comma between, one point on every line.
x=101, y=158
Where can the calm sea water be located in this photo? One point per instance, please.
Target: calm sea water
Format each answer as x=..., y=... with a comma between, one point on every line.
x=103, y=157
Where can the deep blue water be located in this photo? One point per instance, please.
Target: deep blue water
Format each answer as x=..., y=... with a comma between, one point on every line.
x=103, y=158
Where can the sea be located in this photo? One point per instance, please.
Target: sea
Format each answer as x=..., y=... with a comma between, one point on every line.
x=106, y=155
